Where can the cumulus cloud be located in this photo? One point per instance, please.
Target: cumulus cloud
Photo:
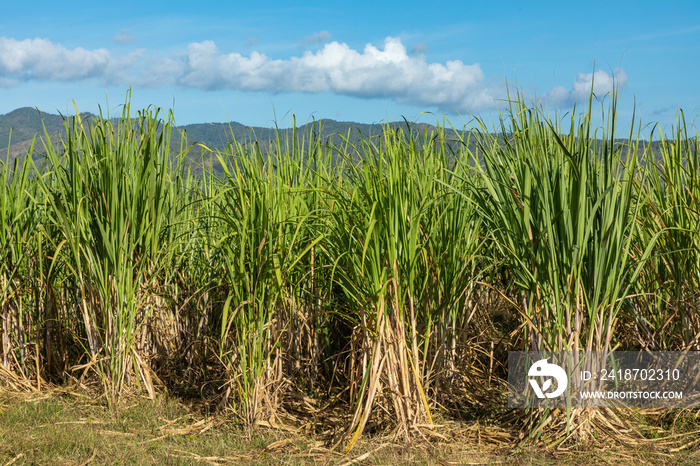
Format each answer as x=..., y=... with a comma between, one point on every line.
x=600, y=82
x=42, y=59
x=389, y=71
x=335, y=68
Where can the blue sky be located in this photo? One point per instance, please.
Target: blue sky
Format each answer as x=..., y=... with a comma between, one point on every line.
x=261, y=62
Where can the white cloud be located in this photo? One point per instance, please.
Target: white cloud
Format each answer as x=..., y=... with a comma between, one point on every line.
x=600, y=82
x=388, y=72
x=336, y=68
x=42, y=59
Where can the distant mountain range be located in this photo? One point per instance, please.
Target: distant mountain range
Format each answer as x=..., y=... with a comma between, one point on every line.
x=20, y=126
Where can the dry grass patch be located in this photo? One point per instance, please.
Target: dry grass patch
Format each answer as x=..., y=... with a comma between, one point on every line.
x=63, y=428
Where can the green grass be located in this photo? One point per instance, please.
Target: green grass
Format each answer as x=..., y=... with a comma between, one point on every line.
x=53, y=431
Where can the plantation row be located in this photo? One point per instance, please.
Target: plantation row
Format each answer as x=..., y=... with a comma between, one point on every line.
x=392, y=283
